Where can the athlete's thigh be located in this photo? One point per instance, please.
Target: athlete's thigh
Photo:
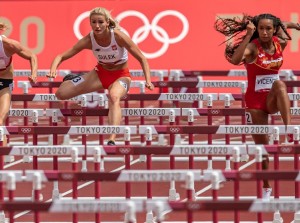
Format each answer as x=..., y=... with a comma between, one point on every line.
x=80, y=85
x=258, y=117
x=120, y=87
x=5, y=100
x=272, y=102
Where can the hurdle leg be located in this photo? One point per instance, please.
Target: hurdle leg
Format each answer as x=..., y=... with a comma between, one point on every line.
x=130, y=212
x=258, y=161
x=215, y=186
x=161, y=137
x=11, y=187
x=236, y=160
x=97, y=162
x=276, y=162
x=149, y=216
x=84, y=142
x=276, y=217
x=296, y=167
x=190, y=193
x=37, y=186
x=173, y=195
x=158, y=209
x=74, y=158
x=209, y=136
x=127, y=163
x=8, y=158
x=296, y=160
x=55, y=191
x=191, y=120
x=2, y=214
x=101, y=122
x=227, y=136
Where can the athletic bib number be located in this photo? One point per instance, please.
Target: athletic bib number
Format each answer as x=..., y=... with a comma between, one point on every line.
x=265, y=82
x=248, y=118
x=77, y=80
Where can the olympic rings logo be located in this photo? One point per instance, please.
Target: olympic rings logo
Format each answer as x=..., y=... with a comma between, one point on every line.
x=159, y=33
x=193, y=206
x=174, y=130
x=124, y=150
x=215, y=111
x=286, y=149
x=67, y=176
x=26, y=130
x=246, y=175
x=78, y=112
x=162, y=84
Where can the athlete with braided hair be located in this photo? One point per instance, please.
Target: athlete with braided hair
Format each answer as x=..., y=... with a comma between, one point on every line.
x=259, y=43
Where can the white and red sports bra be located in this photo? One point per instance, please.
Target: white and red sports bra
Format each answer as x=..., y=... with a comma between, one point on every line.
x=4, y=60
x=112, y=54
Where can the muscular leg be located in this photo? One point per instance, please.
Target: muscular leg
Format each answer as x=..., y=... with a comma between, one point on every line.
x=116, y=92
x=260, y=117
x=69, y=89
x=278, y=100
x=5, y=99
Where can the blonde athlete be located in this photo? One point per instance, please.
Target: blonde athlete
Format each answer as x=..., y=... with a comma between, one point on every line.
x=9, y=47
x=110, y=46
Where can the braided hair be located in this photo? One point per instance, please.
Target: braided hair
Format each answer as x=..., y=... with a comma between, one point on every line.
x=236, y=27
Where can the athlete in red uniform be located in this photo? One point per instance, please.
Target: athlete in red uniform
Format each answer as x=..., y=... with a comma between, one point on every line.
x=260, y=50
x=262, y=73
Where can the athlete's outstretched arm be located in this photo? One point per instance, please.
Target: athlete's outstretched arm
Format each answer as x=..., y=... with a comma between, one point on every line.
x=124, y=41
x=79, y=46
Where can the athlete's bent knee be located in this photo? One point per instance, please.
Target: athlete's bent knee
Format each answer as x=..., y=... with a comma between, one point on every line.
x=279, y=85
x=59, y=94
x=114, y=98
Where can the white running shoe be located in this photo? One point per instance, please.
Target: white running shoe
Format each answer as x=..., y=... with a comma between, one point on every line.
x=266, y=193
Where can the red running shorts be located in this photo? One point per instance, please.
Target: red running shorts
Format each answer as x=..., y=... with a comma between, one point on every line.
x=107, y=77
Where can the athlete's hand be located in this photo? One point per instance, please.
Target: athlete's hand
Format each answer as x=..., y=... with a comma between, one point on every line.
x=250, y=28
x=51, y=74
x=32, y=79
x=149, y=85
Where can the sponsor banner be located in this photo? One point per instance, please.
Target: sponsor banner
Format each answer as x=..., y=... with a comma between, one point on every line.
x=172, y=34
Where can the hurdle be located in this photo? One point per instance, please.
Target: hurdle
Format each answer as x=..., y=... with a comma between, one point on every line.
x=126, y=112
x=126, y=130
x=286, y=73
x=34, y=114
x=151, y=129
x=87, y=206
x=159, y=175
x=283, y=150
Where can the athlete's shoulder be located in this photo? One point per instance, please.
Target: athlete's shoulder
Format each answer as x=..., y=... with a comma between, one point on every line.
x=84, y=42
x=118, y=33
x=121, y=37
